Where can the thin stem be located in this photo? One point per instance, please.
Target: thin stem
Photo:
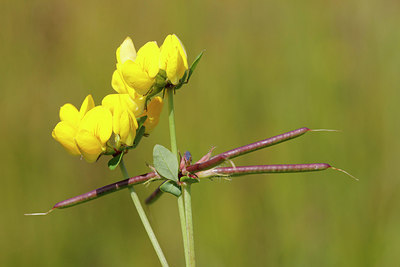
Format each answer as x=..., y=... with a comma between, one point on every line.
x=174, y=149
x=144, y=219
x=182, y=218
x=171, y=119
x=189, y=223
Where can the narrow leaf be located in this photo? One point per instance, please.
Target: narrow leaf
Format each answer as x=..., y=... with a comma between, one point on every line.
x=165, y=163
x=171, y=187
x=194, y=65
x=114, y=162
x=139, y=134
x=140, y=121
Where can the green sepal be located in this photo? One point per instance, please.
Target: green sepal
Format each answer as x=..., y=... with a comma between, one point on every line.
x=172, y=188
x=194, y=65
x=114, y=162
x=189, y=180
x=165, y=162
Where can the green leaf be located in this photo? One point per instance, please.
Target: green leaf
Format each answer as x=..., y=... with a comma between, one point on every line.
x=189, y=180
x=140, y=121
x=194, y=65
x=139, y=134
x=114, y=162
x=165, y=163
x=172, y=188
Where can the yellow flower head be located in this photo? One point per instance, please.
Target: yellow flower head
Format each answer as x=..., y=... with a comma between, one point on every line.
x=66, y=130
x=137, y=71
x=173, y=58
x=153, y=113
x=84, y=132
x=124, y=111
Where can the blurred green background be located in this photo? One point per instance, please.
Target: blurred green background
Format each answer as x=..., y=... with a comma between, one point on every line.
x=269, y=67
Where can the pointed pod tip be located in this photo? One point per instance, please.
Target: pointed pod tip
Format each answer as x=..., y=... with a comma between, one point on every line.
x=345, y=172
x=324, y=130
x=39, y=213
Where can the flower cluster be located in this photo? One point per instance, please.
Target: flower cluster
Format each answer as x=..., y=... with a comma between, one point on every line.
x=113, y=126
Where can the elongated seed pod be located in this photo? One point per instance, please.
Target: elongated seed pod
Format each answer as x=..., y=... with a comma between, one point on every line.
x=259, y=169
x=214, y=161
x=102, y=191
x=154, y=196
x=220, y=158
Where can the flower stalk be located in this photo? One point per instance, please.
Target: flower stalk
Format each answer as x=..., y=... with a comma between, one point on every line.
x=181, y=203
x=144, y=219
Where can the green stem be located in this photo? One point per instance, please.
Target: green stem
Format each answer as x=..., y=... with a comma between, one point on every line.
x=189, y=223
x=174, y=149
x=144, y=219
x=171, y=118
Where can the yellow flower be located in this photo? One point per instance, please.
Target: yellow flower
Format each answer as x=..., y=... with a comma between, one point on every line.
x=66, y=130
x=153, y=113
x=94, y=132
x=124, y=111
x=137, y=71
x=84, y=132
x=173, y=58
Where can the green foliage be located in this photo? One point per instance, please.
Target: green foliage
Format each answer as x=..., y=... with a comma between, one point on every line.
x=165, y=163
x=194, y=65
x=172, y=188
x=114, y=162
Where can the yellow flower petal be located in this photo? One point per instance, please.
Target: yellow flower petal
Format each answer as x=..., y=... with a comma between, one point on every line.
x=182, y=50
x=136, y=77
x=89, y=146
x=123, y=110
x=64, y=133
x=87, y=105
x=128, y=128
x=148, y=57
x=126, y=51
x=173, y=58
x=70, y=114
x=153, y=113
x=98, y=121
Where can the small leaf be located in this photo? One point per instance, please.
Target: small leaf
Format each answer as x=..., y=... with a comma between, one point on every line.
x=165, y=163
x=194, y=65
x=114, y=162
x=140, y=121
x=139, y=134
x=171, y=187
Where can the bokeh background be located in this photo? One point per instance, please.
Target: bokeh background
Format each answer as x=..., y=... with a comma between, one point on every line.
x=269, y=67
